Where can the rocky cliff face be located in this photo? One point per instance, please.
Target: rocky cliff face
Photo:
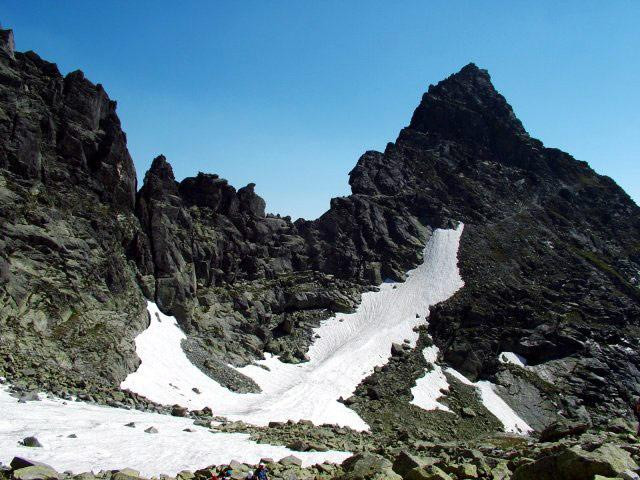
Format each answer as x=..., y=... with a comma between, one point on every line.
x=550, y=253
x=69, y=300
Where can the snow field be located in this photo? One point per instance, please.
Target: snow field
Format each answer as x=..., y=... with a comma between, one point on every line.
x=103, y=441
x=349, y=348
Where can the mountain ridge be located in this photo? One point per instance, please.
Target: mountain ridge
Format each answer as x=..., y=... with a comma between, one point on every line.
x=550, y=252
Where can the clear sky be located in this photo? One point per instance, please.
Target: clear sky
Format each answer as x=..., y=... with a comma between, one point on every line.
x=288, y=94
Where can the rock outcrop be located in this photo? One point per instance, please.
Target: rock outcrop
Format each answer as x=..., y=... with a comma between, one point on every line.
x=69, y=297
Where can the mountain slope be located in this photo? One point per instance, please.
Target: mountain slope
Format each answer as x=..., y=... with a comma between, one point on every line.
x=550, y=253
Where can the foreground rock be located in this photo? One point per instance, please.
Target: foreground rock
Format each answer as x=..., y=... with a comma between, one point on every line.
x=35, y=472
x=576, y=463
x=592, y=455
x=561, y=429
x=368, y=466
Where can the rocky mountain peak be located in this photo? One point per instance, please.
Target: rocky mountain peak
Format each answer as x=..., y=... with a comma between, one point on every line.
x=7, y=44
x=210, y=191
x=461, y=121
x=159, y=179
x=62, y=130
x=466, y=108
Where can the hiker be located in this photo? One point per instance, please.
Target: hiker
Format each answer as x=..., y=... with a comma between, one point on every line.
x=636, y=411
x=225, y=473
x=261, y=474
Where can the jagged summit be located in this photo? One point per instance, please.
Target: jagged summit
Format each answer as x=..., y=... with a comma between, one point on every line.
x=7, y=43
x=466, y=107
x=160, y=166
x=472, y=70
x=159, y=178
x=470, y=76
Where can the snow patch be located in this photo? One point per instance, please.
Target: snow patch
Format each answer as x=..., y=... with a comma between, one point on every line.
x=514, y=358
x=430, y=354
x=428, y=387
x=428, y=390
x=496, y=405
x=103, y=441
x=349, y=348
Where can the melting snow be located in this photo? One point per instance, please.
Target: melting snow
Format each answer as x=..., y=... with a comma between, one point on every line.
x=496, y=405
x=103, y=441
x=349, y=347
x=427, y=390
x=514, y=358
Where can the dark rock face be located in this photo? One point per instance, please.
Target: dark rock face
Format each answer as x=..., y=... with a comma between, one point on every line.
x=550, y=253
x=69, y=300
x=232, y=275
x=550, y=250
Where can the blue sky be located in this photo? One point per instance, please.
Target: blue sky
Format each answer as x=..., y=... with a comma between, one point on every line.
x=288, y=94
